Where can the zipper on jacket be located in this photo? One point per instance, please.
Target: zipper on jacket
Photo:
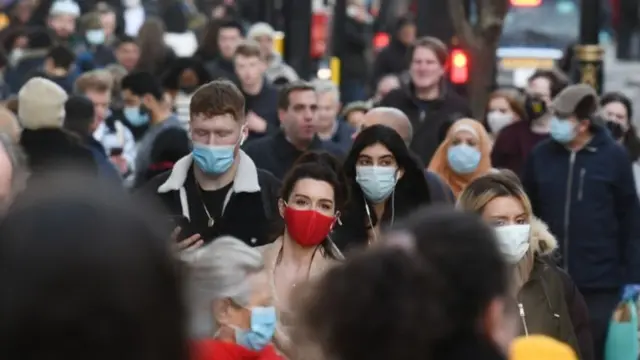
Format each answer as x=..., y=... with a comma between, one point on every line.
x=423, y=114
x=567, y=211
x=583, y=172
x=523, y=317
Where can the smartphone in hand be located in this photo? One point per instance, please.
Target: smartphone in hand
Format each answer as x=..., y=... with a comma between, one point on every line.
x=184, y=224
x=116, y=151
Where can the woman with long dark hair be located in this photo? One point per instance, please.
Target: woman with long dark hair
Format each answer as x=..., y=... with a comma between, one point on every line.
x=618, y=113
x=386, y=182
x=313, y=194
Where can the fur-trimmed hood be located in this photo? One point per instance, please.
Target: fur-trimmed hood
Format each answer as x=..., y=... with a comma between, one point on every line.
x=542, y=242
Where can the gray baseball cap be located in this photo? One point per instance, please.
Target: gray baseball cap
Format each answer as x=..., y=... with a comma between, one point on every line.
x=569, y=98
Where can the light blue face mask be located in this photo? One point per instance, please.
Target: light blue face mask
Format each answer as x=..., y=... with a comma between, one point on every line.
x=213, y=159
x=463, y=159
x=562, y=130
x=376, y=182
x=132, y=113
x=263, y=326
x=95, y=37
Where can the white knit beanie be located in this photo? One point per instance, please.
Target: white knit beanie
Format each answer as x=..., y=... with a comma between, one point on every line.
x=41, y=104
x=260, y=29
x=65, y=7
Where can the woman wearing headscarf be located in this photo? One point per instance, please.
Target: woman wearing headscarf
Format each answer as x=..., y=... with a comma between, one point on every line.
x=464, y=155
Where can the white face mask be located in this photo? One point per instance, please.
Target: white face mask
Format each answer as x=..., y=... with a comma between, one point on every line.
x=513, y=241
x=498, y=121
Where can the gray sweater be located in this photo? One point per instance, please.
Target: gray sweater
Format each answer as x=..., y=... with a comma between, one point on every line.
x=145, y=145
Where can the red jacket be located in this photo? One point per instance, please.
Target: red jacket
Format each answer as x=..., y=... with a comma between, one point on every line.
x=221, y=350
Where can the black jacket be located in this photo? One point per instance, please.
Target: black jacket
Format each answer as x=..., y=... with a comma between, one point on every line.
x=427, y=117
x=390, y=60
x=222, y=69
x=276, y=155
x=357, y=38
x=588, y=198
x=53, y=149
x=250, y=214
x=265, y=105
x=105, y=168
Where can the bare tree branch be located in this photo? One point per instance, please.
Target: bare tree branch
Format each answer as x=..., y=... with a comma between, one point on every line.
x=461, y=24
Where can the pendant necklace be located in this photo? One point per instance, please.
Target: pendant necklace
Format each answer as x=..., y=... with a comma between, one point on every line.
x=211, y=221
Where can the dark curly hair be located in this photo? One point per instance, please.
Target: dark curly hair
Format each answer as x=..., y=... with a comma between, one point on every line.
x=408, y=300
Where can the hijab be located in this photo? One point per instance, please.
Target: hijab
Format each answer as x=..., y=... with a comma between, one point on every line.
x=440, y=165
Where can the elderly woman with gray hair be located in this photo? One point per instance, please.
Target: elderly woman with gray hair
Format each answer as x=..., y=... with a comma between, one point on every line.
x=231, y=312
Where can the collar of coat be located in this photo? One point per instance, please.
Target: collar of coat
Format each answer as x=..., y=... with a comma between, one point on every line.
x=245, y=180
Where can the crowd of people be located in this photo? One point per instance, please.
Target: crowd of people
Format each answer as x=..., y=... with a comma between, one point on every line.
x=164, y=198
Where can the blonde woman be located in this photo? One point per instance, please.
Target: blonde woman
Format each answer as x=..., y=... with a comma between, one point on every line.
x=548, y=301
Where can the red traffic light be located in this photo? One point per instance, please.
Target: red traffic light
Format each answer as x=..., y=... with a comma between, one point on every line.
x=380, y=40
x=459, y=72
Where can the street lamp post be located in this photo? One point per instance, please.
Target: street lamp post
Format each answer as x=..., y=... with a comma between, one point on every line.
x=297, y=29
x=589, y=54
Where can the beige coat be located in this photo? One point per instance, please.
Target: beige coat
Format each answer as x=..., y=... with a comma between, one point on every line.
x=319, y=265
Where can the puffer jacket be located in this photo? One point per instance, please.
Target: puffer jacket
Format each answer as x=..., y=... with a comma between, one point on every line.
x=549, y=302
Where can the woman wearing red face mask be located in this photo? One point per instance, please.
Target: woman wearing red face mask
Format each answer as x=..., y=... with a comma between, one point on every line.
x=312, y=194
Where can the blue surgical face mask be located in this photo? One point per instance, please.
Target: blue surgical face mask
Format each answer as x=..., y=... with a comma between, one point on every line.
x=463, y=159
x=132, y=113
x=376, y=182
x=562, y=130
x=95, y=37
x=214, y=159
x=263, y=326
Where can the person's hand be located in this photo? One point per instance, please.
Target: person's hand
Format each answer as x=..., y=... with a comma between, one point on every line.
x=120, y=163
x=191, y=243
x=255, y=123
